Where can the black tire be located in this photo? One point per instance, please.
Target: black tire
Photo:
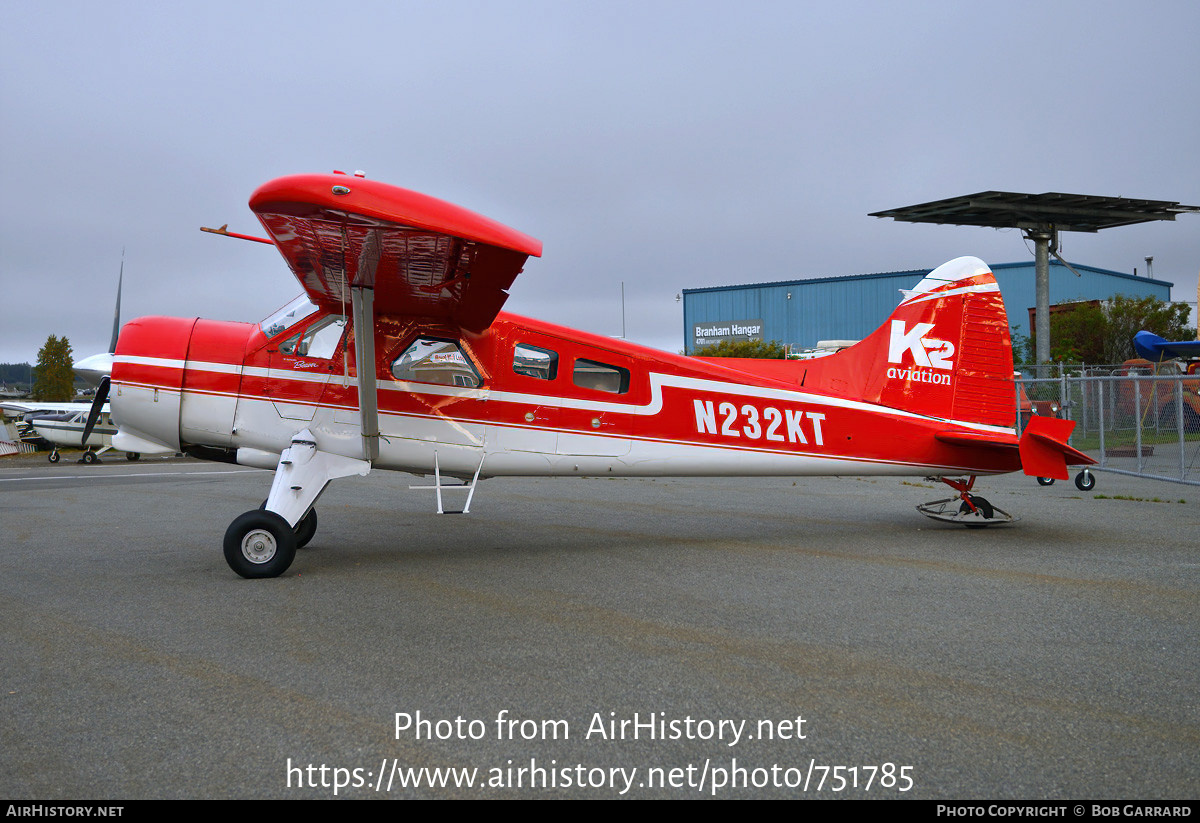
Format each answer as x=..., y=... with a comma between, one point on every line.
x=133, y=456
x=1085, y=481
x=54, y=456
x=90, y=457
x=1045, y=481
x=306, y=528
x=259, y=544
x=985, y=508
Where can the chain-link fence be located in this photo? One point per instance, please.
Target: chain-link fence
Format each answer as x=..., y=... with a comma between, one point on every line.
x=1131, y=420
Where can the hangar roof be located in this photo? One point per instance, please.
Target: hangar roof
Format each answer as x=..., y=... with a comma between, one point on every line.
x=911, y=273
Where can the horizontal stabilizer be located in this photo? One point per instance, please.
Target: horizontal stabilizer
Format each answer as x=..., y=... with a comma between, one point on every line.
x=967, y=437
x=1044, y=449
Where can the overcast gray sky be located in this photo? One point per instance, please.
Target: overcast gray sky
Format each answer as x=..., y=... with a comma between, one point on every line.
x=668, y=145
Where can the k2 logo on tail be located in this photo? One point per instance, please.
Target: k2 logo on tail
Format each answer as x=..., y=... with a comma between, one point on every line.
x=927, y=352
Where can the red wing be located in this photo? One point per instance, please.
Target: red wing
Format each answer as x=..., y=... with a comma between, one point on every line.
x=424, y=257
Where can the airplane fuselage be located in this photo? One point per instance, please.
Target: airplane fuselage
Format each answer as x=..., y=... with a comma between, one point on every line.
x=521, y=398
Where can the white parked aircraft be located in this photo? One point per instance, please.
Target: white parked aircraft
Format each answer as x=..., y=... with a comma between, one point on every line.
x=68, y=430
x=63, y=424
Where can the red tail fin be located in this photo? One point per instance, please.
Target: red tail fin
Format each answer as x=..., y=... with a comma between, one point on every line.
x=945, y=352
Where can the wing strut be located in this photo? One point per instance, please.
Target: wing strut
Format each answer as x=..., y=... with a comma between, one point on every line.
x=362, y=302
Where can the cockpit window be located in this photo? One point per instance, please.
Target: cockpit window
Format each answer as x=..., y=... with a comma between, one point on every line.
x=288, y=316
x=435, y=361
x=320, y=340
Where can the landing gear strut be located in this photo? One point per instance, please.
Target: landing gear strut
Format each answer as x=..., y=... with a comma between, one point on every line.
x=965, y=509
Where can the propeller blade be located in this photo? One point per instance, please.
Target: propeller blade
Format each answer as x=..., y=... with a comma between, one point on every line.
x=94, y=412
x=112, y=346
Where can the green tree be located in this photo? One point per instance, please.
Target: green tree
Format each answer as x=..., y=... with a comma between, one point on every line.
x=743, y=348
x=54, y=380
x=1126, y=316
x=14, y=374
x=1022, y=345
x=1090, y=333
x=1078, y=335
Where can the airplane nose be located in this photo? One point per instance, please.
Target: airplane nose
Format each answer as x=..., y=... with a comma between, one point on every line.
x=94, y=367
x=146, y=382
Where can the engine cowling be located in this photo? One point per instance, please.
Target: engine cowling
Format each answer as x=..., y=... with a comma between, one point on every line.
x=175, y=382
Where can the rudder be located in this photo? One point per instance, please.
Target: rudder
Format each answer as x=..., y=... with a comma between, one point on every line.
x=945, y=351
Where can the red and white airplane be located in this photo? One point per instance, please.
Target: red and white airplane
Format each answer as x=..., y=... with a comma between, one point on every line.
x=456, y=388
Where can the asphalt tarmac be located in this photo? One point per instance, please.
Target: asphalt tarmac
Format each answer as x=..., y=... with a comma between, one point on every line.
x=597, y=638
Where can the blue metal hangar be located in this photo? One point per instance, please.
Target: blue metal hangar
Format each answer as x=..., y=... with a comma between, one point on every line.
x=800, y=313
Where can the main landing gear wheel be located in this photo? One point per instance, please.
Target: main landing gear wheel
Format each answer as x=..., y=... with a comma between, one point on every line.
x=89, y=458
x=1045, y=481
x=1085, y=481
x=54, y=456
x=259, y=544
x=305, y=529
x=133, y=456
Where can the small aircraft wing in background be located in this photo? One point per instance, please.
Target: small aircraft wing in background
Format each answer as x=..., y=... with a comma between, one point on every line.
x=16, y=408
x=1156, y=349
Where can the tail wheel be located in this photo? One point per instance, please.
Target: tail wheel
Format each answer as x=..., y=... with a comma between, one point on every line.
x=259, y=544
x=1085, y=481
x=981, y=504
x=1045, y=481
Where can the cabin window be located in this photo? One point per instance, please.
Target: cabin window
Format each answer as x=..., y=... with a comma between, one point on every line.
x=319, y=341
x=533, y=361
x=600, y=376
x=435, y=361
x=288, y=316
